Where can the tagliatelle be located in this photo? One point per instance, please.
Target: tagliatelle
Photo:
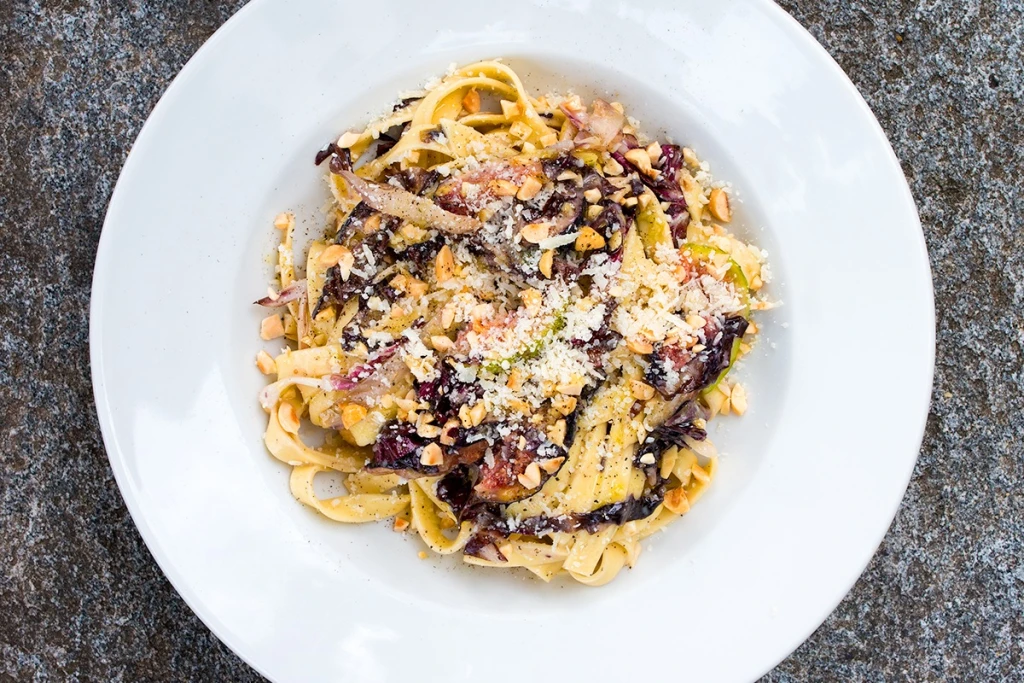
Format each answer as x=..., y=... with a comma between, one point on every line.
x=514, y=329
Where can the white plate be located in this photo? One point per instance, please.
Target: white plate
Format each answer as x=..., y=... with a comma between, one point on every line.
x=813, y=474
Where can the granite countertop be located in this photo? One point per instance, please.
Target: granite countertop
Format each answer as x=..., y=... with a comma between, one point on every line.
x=80, y=595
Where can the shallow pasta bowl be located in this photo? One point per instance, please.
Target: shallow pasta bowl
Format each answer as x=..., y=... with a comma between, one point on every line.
x=801, y=500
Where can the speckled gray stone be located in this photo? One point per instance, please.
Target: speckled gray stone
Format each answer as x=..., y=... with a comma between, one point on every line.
x=80, y=596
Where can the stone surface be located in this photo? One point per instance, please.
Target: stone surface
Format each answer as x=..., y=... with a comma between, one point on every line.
x=82, y=599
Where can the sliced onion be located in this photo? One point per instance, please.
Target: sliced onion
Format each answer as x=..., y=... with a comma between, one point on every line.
x=604, y=123
x=491, y=553
x=402, y=204
x=271, y=393
x=704, y=449
x=292, y=292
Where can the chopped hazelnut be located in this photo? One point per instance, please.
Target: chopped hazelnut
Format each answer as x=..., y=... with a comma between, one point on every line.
x=564, y=404
x=529, y=189
x=266, y=363
x=441, y=343
x=503, y=188
x=284, y=221
x=531, y=477
x=718, y=205
x=547, y=261
x=471, y=101
x=444, y=264
x=676, y=501
x=642, y=391
x=640, y=346
x=432, y=455
x=352, y=414
x=534, y=233
x=271, y=327
x=556, y=433
x=589, y=239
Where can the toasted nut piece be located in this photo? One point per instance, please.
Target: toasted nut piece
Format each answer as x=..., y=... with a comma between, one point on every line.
x=738, y=399
x=564, y=404
x=441, y=343
x=531, y=477
x=615, y=241
x=520, y=406
x=570, y=388
x=613, y=167
x=401, y=524
x=718, y=205
x=348, y=139
x=371, y=224
x=654, y=152
x=284, y=221
x=510, y=109
x=641, y=391
x=417, y=288
x=529, y=189
x=589, y=239
x=447, y=317
x=593, y=195
x=477, y=413
x=696, y=322
x=549, y=139
x=697, y=348
x=471, y=101
x=531, y=298
x=406, y=404
x=522, y=442
x=593, y=211
x=570, y=175
x=449, y=432
x=352, y=414
x=503, y=188
x=690, y=158
x=272, y=327
x=756, y=283
x=432, y=455
x=288, y=417
x=265, y=362
x=551, y=466
x=444, y=264
x=515, y=379
x=332, y=255
x=640, y=159
x=425, y=429
x=520, y=130
x=547, y=260
x=412, y=233
x=556, y=433
x=534, y=233
x=676, y=501
x=465, y=417
x=752, y=329
x=641, y=346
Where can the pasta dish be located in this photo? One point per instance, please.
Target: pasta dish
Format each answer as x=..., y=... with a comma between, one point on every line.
x=510, y=338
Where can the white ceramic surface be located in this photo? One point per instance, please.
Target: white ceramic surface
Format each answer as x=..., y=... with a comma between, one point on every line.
x=812, y=475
